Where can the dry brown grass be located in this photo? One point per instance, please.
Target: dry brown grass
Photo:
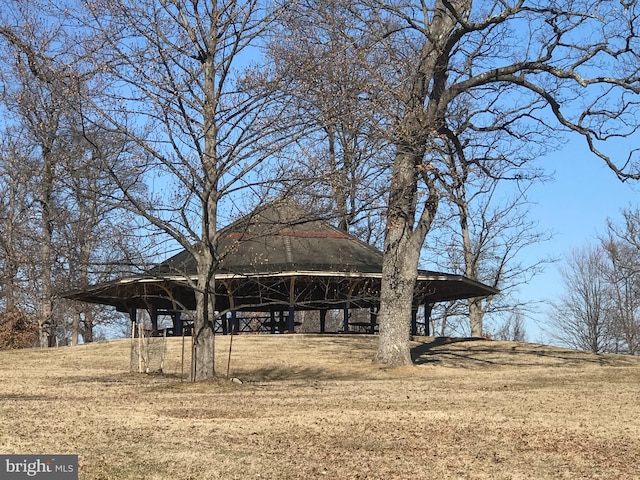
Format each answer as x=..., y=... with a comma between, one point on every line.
x=315, y=407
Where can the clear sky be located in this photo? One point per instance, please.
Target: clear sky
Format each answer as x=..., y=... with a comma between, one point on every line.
x=574, y=208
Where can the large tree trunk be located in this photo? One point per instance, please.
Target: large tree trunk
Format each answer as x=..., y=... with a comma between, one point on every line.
x=400, y=262
x=204, y=328
x=406, y=229
x=399, y=274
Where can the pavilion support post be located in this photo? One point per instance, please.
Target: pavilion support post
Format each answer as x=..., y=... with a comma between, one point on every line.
x=235, y=324
x=414, y=321
x=323, y=320
x=292, y=319
x=223, y=320
x=345, y=318
x=292, y=310
x=272, y=314
x=177, y=322
x=154, y=320
x=281, y=321
x=428, y=307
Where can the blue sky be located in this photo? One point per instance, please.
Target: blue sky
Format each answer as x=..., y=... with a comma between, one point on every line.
x=574, y=208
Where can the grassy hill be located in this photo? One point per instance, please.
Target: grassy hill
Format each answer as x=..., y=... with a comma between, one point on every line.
x=316, y=407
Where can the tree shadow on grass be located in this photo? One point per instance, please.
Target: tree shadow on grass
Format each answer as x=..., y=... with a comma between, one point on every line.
x=296, y=373
x=430, y=353
x=479, y=352
x=23, y=397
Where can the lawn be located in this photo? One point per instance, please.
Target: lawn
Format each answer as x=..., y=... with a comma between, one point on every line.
x=316, y=407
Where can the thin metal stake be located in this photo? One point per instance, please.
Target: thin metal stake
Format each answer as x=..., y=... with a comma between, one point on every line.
x=233, y=324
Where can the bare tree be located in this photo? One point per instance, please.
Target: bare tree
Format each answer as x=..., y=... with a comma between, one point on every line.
x=580, y=318
x=339, y=164
x=447, y=53
x=95, y=236
x=15, y=219
x=512, y=329
x=599, y=310
x=52, y=177
x=173, y=79
x=36, y=97
x=482, y=233
x=622, y=247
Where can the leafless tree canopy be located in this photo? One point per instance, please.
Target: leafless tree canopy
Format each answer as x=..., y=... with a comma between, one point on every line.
x=501, y=75
x=397, y=104
x=599, y=310
x=60, y=227
x=580, y=315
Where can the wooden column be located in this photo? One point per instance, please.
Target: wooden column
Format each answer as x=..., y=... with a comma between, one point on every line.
x=292, y=311
x=292, y=319
x=414, y=321
x=323, y=320
x=345, y=318
x=177, y=322
x=235, y=324
x=428, y=307
x=225, y=325
x=154, y=320
x=272, y=314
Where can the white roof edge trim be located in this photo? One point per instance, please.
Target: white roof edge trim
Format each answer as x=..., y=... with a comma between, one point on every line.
x=230, y=276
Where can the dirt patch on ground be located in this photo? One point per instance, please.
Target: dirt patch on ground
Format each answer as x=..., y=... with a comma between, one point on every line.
x=316, y=407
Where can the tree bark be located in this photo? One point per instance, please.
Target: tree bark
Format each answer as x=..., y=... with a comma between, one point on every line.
x=75, y=328
x=406, y=229
x=204, y=341
x=402, y=249
x=476, y=315
x=11, y=263
x=45, y=321
x=204, y=333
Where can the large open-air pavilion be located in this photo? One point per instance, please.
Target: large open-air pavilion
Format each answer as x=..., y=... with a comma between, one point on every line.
x=280, y=270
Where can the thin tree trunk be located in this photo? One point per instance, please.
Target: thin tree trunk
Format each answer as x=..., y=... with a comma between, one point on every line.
x=476, y=315
x=87, y=326
x=75, y=328
x=11, y=267
x=45, y=320
x=204, y=334
x=337, y=177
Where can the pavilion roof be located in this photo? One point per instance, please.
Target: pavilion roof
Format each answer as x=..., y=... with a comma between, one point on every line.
x=281, y=237
x=263, y=250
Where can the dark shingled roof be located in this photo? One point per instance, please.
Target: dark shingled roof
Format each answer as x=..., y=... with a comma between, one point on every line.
x=282, y=238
